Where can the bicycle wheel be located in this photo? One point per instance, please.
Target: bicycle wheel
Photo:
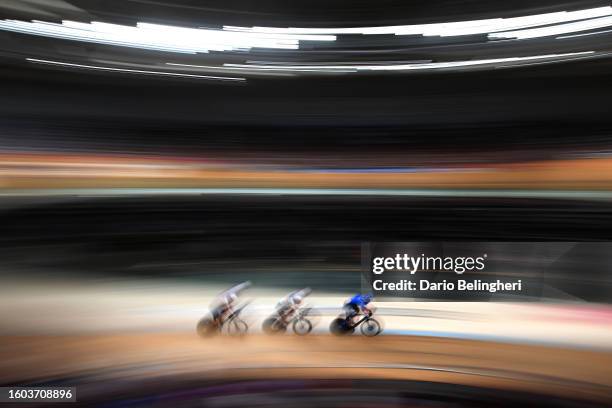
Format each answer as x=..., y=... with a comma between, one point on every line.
x=273, y=325
x=302, y=327
x=206, y=327
x=370, y=328
x=339, y=327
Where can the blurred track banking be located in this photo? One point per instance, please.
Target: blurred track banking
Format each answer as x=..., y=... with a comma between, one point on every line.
x=51, y=173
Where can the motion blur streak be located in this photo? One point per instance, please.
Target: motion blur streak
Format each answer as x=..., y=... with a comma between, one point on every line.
x=411, y=67
x=46, y=171
x=159, y=37
x=190, y=52
x=449, y=29
x=132, y=71
x=182, y=39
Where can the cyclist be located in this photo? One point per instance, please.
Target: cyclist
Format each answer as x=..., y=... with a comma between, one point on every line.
x=223, y=305
x=287, y=306
x=355, y=305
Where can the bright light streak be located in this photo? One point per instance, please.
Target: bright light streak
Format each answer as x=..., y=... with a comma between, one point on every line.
x=584, y=34
x=410, y=67
x=447, y=29
x=202, y=40
x=132, y=71
x=555, y=29
x=160, y=37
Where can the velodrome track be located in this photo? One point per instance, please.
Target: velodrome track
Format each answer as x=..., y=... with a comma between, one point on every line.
x=111, y=305
x=180, y=366
x=137, y=343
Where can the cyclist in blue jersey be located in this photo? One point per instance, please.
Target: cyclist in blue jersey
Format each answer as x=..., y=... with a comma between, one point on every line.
x=357, y=304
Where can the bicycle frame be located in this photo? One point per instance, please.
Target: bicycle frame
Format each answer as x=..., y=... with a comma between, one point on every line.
x=235, y=313
x=365, y=317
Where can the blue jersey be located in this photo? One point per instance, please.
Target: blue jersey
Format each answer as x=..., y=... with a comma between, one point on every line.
x=359, y=300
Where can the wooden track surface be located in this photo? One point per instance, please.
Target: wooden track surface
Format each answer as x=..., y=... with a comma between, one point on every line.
x=583, y=374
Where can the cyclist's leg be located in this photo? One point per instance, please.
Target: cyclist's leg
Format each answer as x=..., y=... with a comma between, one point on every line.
x=350, y=311
x=220, y=314
x=216, y=314
x=283, y=312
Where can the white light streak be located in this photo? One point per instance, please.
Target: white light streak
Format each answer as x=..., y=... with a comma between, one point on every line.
x=548, y=31
x=411, y=67
x=202, y=40
x=132, y=71
x=557, y=20
x=160, y=37
x=584, y=34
